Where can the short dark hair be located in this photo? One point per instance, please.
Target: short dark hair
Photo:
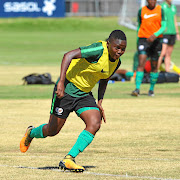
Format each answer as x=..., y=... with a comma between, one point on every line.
x=117, y=34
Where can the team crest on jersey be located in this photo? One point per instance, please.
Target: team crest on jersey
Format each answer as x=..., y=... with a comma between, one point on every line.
x=59, y=111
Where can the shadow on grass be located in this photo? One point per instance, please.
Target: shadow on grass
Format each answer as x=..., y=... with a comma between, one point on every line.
x=56, y=167
x=53, y=167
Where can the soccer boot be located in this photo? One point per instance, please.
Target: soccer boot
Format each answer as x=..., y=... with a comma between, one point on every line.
x=136, y=92
x=26, y=140
x=69, y=163
x=151, y=93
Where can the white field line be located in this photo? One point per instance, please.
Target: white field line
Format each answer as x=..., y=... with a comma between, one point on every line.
x=123, y=158
x=93, y=173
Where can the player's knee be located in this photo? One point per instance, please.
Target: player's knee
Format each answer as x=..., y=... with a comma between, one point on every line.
x=52, y=131
x=96, y=125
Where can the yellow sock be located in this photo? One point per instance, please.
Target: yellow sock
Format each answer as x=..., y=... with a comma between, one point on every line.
x=176, y=69
x=161, y=68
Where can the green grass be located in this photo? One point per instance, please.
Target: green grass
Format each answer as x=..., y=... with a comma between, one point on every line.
x=141, y=137
x=60, y=24
x=120, y=90
x=44, y=41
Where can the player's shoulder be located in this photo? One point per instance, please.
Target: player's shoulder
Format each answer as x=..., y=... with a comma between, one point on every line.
x=164, y=5
x=158, y=6
x=141, y=8
x=93, y=46
x=97, y=44
x=173, y=7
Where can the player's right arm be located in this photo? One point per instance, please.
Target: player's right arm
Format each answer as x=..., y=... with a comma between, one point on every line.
x=74, y=54
x=139, y=20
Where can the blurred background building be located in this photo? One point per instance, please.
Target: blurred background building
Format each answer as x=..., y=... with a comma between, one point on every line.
x=105, y=7
x=125, y=10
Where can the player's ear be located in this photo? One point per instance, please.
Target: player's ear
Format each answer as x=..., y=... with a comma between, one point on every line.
x=108, y=43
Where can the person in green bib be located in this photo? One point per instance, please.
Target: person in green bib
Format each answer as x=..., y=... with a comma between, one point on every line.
x=81, y=69
x=170, y=34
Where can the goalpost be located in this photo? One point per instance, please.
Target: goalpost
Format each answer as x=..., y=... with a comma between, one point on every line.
x=129, y=10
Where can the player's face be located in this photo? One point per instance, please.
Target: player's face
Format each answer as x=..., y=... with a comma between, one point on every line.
x=151, y=3
x=116, y=48
x=169, y=1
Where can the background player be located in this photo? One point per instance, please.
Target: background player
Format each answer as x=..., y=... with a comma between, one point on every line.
x=170, y=34
x=151, y=24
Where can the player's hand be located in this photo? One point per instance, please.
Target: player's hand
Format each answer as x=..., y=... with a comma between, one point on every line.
x=60, y=89
x=178, y=37
x=101, y=110
x=151, y=38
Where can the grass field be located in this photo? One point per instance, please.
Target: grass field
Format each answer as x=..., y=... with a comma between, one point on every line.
x=141, y=137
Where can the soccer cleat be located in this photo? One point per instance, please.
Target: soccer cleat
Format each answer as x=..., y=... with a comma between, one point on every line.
x=151, y=93
x=136, y=92
x=26, y=140
x=68, y=163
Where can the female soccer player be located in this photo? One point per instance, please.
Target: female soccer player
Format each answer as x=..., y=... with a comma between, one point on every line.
x=170, y=34
x=81, y=69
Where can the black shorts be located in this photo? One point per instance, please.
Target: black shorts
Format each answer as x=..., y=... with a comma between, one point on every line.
x=63, y=106
x=169, y=39
x=152, y=50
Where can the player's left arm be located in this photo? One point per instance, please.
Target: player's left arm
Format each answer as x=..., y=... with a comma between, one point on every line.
x=163, y=24
x=101, y=91
x=161, y=30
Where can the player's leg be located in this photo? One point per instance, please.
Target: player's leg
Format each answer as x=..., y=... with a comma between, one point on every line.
x=92, y=119
x=155, y=51
x=171, y=43
x=59, y=112
x=153, y=77
x=88, y=111
x=162, y=55
x=167, y=59
x=142, y=51
x=139, y=74
x=51, y=129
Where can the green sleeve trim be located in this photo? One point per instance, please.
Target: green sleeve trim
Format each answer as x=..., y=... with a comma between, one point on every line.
x=163, y=24
x=91, y=49
x=93, y=52
x=161, y=30
x=79, y=111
